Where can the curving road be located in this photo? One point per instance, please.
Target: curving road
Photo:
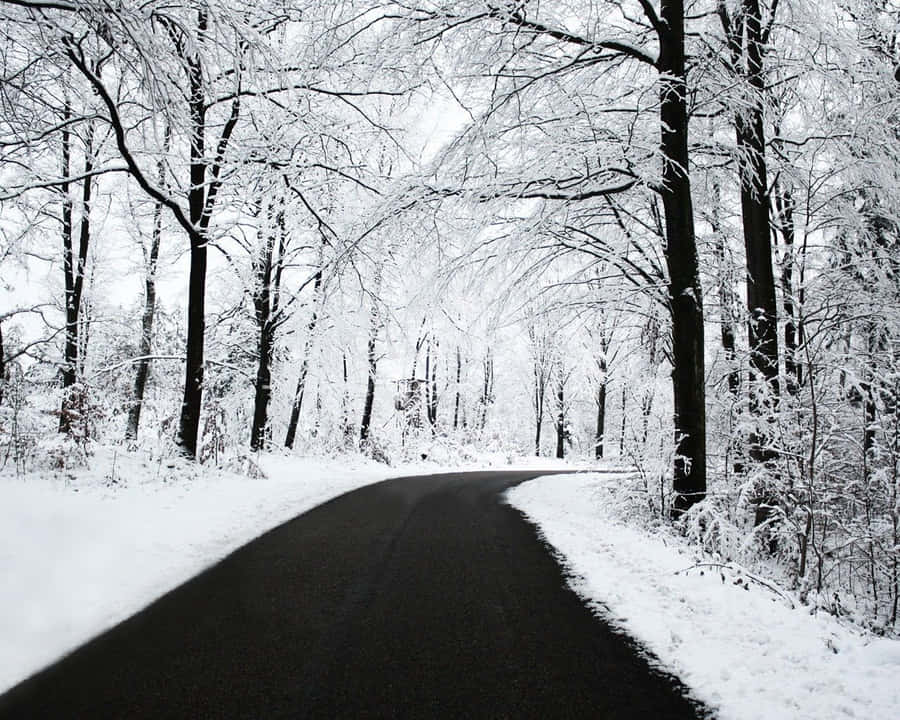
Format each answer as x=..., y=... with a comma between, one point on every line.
x=419, y=597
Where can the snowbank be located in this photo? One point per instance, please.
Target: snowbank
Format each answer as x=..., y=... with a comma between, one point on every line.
x=81, y=552
x=737, y=645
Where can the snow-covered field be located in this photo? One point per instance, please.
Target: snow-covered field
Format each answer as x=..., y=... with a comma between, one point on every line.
x=83, y=550
x=737, y=645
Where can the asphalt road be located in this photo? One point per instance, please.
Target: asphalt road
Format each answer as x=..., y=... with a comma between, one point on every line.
x=420, y=597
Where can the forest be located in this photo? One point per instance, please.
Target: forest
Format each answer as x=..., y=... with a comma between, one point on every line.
x=662, y=234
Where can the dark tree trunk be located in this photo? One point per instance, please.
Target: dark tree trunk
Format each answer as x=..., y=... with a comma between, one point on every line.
x=297, y=404
x=146, y=344
x=601, y=416
x=205, y=181
x=622, y=433
x=751, y=153
x=457, y=398
x=346, y=425
x=431, y=391
x=560, y=420
x=372, y=360
x=74, y=269
x=539, y=393
x=433, y=406
x=189, y=425
x=149, y=313
x=68, y=368
x=685, y=295
x=263, y=392
x=539, y=368
x=265, y=302
x=487, y=391
x=428, y=382
x=370, y=376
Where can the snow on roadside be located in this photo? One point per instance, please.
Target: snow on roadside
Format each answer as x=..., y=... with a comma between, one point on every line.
x=744, y=652
x=80, y=553
x=82, y=550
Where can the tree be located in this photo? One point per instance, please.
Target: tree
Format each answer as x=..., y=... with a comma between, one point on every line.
x=375, y=324
x=746, y=36
x=561, y=54
x=145, y=347
x=541, y=342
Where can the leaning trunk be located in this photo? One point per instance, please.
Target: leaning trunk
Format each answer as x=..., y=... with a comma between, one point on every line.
x=147, y=317
x=297, y=404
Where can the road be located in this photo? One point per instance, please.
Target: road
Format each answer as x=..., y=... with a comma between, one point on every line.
x=418, y=597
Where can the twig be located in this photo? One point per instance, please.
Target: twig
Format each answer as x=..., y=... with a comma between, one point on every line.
x=750, y=576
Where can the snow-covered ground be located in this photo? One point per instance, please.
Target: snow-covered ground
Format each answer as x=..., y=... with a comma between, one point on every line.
x=738, y=646
x=80, y=553
x=82, y=550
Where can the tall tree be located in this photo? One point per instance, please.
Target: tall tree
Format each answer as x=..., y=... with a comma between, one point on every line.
x=74, y=266
x=747, y=37
x=593, y=56
x=145, y=345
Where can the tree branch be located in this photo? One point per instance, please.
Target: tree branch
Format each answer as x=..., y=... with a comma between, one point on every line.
x=74, y=54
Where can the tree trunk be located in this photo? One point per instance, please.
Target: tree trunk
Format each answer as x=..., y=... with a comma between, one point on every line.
x=601, y=416
x=685, y=294
x=539, y=392
x=762, y=330
x=149, y=313
x=297, y=404
x=263, y=392
x=458, y=379
x=560, y=420
x=433, y=399
x=431, y=391
x=68, y=368
x=784, y=205
x=539, y=367
x=487, y=391
x=762, y=320
x=727, y=300
x=263, y=315
x=370, y=377
x=346, y=425
x=372, y=358
x=189, y=424
x=205, y=181
x=74, y=269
